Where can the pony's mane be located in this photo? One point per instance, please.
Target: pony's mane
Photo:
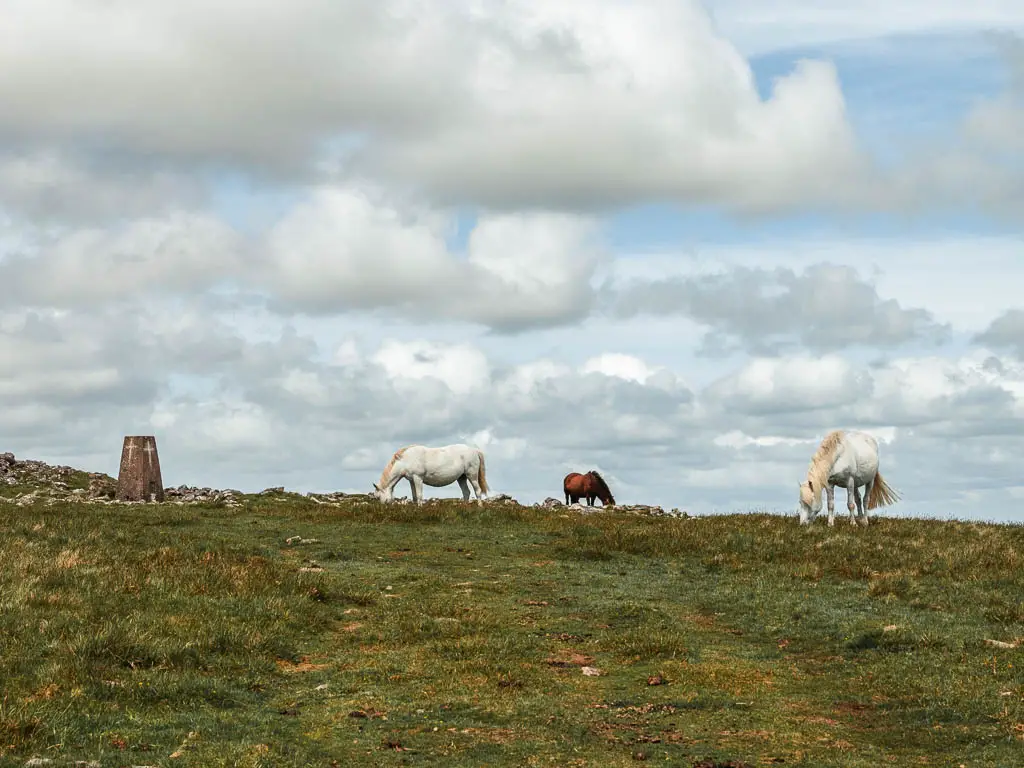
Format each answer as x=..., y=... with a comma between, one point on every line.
x=824, y=458
x=390, y=464
x=600, y=481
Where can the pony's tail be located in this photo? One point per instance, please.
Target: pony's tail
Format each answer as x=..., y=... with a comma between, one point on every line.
x=482, y=479
x=881, y=494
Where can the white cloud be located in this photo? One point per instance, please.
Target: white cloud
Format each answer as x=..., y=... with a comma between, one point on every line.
x=345, y=249
x=462, y=368
x=92, y=266
x=779, y=385
x=620, y=102
x=621, y=366
x=506, y=103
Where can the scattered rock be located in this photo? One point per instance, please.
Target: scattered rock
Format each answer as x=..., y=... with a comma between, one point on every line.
x=591, y=671
x=502, y=498
x=630, y=509
x=1002, y=644
x=190, y=494
x=294, y=540
x=642, y=509
x=187, y=744
x=336, y=497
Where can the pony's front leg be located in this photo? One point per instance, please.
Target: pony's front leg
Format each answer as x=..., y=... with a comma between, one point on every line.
x=830, y=495
x=417, y=489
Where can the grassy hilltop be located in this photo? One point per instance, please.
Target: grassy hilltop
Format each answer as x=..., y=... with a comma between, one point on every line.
x=285, y=632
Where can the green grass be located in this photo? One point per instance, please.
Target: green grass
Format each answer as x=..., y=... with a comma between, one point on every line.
x=453, y=635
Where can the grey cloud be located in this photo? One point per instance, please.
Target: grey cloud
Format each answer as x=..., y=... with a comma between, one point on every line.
x=251, y=83
x=470, y=103
x=93, y=266
x=473, y=102
x=1005, y=332
x=49, y=186
x=825, y=308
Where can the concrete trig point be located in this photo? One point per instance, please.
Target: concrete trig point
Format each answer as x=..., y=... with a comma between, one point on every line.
x=139, y=477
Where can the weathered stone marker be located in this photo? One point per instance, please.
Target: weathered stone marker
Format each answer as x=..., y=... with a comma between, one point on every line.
x=139, y=477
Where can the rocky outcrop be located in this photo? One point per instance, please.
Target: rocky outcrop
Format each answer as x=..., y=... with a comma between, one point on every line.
x=27, y=481
x=629, y=509
x=186, y=494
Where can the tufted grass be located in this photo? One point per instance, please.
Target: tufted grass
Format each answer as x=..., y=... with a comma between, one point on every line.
x=454, y=635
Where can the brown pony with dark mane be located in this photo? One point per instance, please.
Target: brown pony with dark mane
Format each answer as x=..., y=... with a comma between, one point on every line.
x=590, y=486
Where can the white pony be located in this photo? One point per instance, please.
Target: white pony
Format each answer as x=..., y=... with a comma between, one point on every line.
x=434, y=466
x=848, y=459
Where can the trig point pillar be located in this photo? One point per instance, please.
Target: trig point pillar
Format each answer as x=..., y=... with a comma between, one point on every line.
x=139, y=477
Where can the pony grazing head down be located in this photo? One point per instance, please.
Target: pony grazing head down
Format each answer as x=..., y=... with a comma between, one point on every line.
x=383, y=490
x=810, y=502
x=601, y=489
x=817, y=475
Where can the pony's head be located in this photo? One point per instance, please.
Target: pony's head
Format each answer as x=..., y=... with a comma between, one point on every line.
x=382, y=494
x=810, y=501
x=604, y=493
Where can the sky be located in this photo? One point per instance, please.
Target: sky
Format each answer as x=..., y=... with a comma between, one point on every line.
x=673, y=241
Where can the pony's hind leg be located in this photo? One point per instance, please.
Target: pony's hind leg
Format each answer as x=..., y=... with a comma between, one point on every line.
x=862, y=503
x=851, y=494
x=417, y=489
x=476, y=489
x=464, y=485
x=830, y=494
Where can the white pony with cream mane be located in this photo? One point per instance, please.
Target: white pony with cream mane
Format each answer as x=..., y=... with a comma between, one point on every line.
x=436, y=467
x=848, y=459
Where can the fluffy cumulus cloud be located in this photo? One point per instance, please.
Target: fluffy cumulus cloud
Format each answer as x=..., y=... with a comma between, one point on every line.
x=91, y=266
x=504, y=104
x=345, y=249
x=289, y=238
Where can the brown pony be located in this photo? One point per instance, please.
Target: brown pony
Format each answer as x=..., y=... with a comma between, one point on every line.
x=589, y=486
